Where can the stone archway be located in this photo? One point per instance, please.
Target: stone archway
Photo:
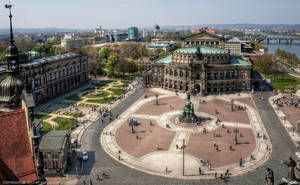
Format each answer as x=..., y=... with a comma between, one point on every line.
x=256, y=85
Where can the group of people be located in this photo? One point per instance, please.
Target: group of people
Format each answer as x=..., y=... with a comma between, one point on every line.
x=239, y=107
x=286, y=100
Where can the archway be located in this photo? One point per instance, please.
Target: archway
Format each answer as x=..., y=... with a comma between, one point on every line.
x=256, y=85
x=197, y=88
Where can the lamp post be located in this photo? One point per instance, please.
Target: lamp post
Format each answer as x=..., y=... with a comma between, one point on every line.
x=183, y=146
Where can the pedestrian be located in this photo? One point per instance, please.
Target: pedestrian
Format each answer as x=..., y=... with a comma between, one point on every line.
x=230, y=147
x=215, y=175
x=227, y=172
x=166, y=169
x=241, y=162
x=176, y=146
x=199, y=170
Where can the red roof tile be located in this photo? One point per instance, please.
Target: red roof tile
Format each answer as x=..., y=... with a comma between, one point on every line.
x=15, y=149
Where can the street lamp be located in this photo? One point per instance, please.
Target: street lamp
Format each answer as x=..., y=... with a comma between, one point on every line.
x=183, y=147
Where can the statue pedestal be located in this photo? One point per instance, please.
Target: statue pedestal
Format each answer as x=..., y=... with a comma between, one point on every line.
x=289, y=182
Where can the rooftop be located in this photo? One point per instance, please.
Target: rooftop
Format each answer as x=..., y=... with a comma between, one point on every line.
x=238, y=60
x=49, y=59
x=164, y=60
x=203, y=50
x=15, y=145
x=53, y=140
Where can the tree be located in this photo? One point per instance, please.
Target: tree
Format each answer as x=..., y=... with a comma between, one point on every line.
x=111, y=63
x=59, y=50
x=24, y=43
x=263, y=64
x=104, y=52
x=131, y=66
x=121, y=67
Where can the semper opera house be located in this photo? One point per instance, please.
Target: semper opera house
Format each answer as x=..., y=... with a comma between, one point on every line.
x=202, y=66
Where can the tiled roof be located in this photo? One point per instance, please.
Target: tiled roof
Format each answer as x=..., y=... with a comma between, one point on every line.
x=203, y=50
x=53, y=140
x=15, y=145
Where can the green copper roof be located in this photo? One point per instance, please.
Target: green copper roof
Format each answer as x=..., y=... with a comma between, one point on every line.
x=238, y=60
x=53, y=140
x=164, y=60
x=203, y=50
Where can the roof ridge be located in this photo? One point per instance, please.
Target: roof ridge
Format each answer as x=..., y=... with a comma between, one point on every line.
x=12, y=112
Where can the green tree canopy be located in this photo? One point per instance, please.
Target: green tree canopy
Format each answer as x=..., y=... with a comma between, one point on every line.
x=263, y=64
x=111, y=63
x=104, y=52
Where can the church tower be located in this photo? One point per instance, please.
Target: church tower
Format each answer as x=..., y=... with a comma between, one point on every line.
x=12, y=85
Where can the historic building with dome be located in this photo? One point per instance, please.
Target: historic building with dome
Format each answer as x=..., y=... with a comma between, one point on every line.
x=203, y=66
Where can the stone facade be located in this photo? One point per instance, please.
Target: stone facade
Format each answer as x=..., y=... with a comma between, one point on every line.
x=55, y=151
x=203, y=66
x=49, y=77
x=143, y=63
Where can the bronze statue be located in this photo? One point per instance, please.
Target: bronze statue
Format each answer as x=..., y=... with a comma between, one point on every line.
x=291, y=169
x=269, y=177
x=188, y=115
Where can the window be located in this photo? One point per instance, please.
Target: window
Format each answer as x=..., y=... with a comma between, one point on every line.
x=215, y=75
x=222, y=75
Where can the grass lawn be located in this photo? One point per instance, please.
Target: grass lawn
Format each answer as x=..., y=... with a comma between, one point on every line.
x=102, y=101
x=75, y=115
x=117, y=92
x=39, y=116
x=65, y=123
x=74, y=97
x=46, y=126
x=285, y=81
x=105, y=94
x=125, y=82
x=286, y=65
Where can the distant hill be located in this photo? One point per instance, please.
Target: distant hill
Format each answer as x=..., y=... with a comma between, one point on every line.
x=234, y=26
x=38, y=30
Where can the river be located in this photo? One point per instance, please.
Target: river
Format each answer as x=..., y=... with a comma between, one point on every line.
x=273, y=46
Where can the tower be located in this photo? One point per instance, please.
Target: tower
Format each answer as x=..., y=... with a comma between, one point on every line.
x=12, y=85
x=156, y=30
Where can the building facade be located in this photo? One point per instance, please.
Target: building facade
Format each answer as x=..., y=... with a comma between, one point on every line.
x=133, y=33
x=202, y=66
x=51, y=76
x=55, y=151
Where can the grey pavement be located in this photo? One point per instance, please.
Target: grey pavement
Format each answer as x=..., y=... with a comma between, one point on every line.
x=100, y=162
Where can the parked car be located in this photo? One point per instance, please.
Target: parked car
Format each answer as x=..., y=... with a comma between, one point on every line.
x=84, y=156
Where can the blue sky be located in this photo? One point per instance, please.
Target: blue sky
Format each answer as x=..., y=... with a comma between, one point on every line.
x=140, y=13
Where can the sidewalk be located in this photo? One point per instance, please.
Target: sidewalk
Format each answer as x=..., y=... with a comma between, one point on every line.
x=295, y=136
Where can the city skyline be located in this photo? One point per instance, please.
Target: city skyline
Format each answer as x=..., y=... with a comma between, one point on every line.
x=90, y=13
